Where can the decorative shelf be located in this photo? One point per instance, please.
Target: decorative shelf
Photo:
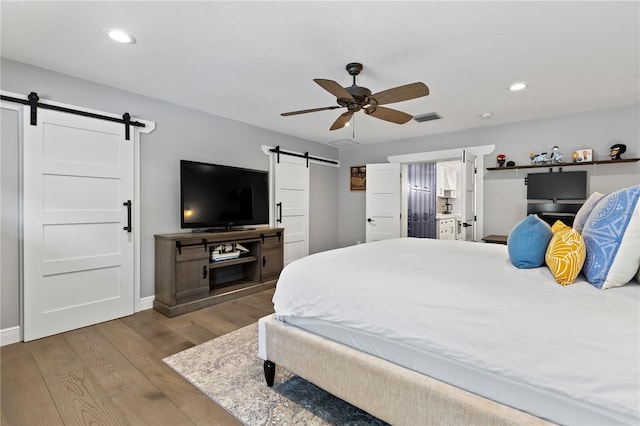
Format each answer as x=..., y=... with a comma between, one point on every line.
x=585, y=163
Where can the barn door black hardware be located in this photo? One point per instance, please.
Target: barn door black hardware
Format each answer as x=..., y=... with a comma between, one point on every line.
x=128, y=204
x=33, y=100
x=306, y=156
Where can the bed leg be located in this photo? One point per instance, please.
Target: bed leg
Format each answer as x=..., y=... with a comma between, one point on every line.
x=269, y=372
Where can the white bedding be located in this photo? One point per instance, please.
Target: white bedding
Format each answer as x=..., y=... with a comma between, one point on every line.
x=568, y=354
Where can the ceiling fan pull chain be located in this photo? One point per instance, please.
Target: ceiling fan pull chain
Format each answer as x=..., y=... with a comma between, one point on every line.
x=353, y=129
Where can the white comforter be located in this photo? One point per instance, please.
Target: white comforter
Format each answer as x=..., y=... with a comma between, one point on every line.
x=467, y=303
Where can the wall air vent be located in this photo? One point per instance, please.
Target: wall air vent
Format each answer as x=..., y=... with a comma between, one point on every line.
x=427, y=117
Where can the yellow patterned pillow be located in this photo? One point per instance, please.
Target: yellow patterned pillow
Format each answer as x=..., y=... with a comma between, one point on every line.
x=565, y=255
x=558, y=226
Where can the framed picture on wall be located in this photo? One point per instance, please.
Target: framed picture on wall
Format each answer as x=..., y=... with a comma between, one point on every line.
x=358, y=178
x=584, y=154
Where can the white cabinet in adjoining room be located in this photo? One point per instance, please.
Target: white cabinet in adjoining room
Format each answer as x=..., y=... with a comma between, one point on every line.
x=446, y=227
x=446, y=181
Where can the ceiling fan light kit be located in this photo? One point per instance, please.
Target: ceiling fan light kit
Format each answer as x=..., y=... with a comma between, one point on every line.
x=356, y=98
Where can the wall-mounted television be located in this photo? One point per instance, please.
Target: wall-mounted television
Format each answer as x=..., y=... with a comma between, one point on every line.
x=557, y=186
x=218, y=196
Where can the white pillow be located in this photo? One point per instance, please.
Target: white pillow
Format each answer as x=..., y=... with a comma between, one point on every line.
x=612, y=238
x=583, y=213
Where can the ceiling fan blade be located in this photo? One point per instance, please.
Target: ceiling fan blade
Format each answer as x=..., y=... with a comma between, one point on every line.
x=334, y=88
x=401, y=93
x=304, y=111
x=342, y=120
x=388, y=114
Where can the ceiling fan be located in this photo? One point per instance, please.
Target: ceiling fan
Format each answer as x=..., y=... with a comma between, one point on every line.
x=356, y=98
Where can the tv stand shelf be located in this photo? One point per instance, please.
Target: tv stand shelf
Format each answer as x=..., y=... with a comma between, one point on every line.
x=229, y=262
x=187, y=279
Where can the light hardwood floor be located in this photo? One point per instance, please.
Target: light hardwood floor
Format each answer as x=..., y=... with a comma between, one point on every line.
x=112, y=373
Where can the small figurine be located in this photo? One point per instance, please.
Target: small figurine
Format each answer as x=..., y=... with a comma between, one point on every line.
x=501, y=158
x=556, y=155
x=575, y=157
x=617, y=150
x=540, y=159
x=511, y=163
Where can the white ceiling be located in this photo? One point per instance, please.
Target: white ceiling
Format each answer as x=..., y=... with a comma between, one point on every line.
x=250, y=61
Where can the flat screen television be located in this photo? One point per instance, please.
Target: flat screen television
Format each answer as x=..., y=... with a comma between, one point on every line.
x=557, y=186
x=217, y=196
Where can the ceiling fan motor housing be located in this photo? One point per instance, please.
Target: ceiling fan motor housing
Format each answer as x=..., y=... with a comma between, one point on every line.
x=360, y=97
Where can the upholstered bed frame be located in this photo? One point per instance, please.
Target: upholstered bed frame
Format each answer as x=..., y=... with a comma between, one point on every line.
x=387, y=391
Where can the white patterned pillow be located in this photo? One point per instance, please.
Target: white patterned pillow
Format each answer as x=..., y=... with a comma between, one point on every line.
x=612, y=238
x=583, y=213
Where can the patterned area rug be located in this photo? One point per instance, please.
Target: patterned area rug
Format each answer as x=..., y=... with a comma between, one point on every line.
x=227, y=369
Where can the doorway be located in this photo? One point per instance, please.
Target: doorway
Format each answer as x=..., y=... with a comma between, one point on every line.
x=470, y=196
x=422, y=200
x=433, y=199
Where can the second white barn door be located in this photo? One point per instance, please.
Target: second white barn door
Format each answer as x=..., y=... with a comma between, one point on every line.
x=383, y=201
x=292, y=204
x=78, y=259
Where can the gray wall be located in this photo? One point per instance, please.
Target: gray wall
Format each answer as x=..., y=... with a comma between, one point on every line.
x=504, y=191
x=10, y=266
x=181, y=133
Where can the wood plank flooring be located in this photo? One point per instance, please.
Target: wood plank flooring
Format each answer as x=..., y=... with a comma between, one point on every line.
x=112, y=373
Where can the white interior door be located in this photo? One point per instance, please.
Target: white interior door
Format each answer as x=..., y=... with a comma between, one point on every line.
x=78, y=259
x=291, y=203
x=383, y=201
x=468, y=196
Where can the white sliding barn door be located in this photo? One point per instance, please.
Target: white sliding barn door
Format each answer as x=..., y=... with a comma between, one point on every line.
x=292, y=205
x=78, y=259
x=383, y=201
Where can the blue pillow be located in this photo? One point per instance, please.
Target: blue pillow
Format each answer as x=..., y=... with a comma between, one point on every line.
x=612, y=238
x=527, y=242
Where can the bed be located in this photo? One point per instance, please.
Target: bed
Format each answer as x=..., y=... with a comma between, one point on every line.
x=421, y=331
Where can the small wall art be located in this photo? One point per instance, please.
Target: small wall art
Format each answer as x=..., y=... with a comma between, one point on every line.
x=358, y=178
x=584, y=154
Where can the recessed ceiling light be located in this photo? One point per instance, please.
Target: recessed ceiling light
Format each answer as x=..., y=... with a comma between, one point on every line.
x=120, y=36
x=517, y=86
x=486, y=115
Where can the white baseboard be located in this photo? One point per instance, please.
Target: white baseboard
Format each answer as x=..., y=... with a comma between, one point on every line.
x=146, y=303
x=12, y=334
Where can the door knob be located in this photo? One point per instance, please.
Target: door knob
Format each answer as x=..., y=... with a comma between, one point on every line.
x=370, y=220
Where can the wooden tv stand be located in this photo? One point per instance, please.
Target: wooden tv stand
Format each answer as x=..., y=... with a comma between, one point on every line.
x=187, y=279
